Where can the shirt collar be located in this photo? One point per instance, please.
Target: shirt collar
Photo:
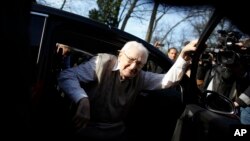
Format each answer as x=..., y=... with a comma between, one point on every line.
x=116, y=66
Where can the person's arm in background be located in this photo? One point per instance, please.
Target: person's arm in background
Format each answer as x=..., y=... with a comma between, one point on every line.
x=64, y=52
x=63, y=49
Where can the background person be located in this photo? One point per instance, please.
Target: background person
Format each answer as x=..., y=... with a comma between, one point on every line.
x=172, y=53
x=243, y=102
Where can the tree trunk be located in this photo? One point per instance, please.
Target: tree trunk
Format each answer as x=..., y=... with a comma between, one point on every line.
x=128, y=15
x=151, y=22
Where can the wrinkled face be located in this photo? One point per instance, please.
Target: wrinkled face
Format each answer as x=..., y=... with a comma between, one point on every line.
x=172, y=54
x=131, y=62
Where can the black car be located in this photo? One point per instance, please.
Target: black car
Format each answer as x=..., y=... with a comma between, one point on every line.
x=183, y=112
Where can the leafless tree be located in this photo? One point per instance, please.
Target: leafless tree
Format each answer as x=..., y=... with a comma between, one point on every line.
x=151, y=22
x=134, y=9
x=63, y=4
x=128, y=15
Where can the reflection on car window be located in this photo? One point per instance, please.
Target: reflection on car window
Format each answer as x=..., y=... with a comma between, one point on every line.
x=153, y=66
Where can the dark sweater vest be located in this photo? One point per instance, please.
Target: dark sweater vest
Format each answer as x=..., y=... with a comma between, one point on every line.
x=111, y=98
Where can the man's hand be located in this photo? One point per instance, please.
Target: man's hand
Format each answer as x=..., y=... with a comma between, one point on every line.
x=190, y=47
x=82, y=115
x=158, y=44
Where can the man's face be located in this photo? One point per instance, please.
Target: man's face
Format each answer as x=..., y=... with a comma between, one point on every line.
x=172, y=54
x=131, y=62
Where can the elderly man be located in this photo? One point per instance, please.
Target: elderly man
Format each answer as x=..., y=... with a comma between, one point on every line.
x=113, y=83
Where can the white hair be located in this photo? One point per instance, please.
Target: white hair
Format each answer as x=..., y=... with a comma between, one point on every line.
x=134, y=44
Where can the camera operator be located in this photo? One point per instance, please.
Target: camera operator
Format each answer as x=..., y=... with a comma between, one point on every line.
x=223, y=76
x=242, y=100
x=206, y=63
x=231, y=77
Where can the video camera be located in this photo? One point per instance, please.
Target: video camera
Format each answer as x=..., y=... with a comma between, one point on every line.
x=228, y=39
x=230, y=53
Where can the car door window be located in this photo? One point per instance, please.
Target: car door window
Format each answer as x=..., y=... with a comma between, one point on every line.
x=222, y=59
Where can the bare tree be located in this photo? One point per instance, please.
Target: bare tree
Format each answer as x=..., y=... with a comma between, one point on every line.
x=128, y=15
x=134, y=9
x=52, y=4
x=190, y=17
x=174, y=26
x=151, y=22
x=201, y=16
x=63, y=4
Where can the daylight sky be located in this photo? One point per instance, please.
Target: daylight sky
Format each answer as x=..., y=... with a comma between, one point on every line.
x=82, y=7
